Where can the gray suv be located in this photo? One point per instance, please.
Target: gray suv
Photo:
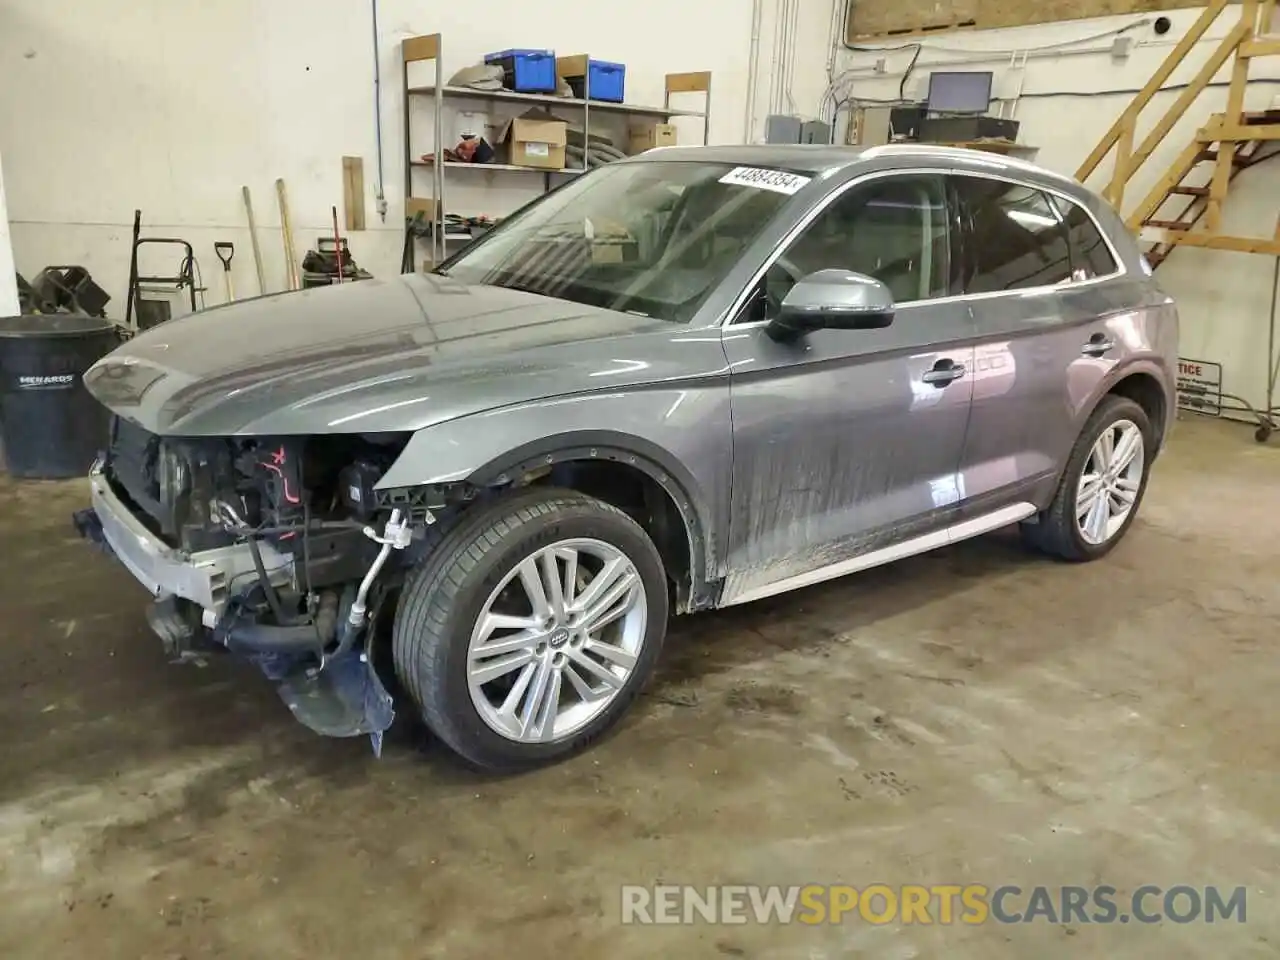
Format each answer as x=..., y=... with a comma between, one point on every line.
x=683, y=381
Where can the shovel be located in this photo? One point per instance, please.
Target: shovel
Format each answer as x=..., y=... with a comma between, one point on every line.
x=225, y=252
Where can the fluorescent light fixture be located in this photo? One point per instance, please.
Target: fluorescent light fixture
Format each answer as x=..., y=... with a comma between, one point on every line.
x=1029, y=219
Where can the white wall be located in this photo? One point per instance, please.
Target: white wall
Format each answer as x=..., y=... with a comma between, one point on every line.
x=1072, y=91
x=8, y=282
x=171, y=107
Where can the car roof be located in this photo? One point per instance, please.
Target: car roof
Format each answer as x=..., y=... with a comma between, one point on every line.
x=823, y=158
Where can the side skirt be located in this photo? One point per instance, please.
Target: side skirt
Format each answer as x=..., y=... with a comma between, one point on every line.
x=898, y=551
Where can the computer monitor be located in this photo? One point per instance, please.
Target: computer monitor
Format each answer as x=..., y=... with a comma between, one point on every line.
x=959, y=91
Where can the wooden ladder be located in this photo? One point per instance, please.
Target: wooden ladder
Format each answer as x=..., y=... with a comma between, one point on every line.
x=1198, y=179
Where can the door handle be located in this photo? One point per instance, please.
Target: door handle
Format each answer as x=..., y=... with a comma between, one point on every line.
x=1098, y=345
x=943, y=372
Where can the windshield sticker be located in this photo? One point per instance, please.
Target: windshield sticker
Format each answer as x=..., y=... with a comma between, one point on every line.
x=778, y=181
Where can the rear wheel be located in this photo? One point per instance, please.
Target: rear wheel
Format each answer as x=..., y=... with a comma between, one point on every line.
x=1101, y=487
x=531, y=627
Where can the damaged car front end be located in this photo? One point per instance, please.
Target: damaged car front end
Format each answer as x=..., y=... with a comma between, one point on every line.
x=273, y=548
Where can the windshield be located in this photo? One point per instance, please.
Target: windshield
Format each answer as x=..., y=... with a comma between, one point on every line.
x=647, y=238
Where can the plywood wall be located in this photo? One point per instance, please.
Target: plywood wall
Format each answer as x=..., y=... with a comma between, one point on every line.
x=896, y=18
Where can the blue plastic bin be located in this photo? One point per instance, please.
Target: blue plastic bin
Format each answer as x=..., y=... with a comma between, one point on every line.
x=526, y=71
x=608, y=81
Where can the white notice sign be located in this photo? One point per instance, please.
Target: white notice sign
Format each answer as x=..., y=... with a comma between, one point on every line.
x=1200, y=386
x=779, y=181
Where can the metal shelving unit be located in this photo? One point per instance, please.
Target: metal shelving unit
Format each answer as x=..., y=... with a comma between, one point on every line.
x=428, y=48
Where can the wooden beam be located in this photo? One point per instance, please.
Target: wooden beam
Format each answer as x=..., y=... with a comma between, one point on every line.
x=1235, y=108
x=1206, y=73
x=1120, y=172
x=353, y=192
x=1266, y=18
x=1261, y=47
x=420, y=48
x=1217, y=241
x=696, y=82
x=1236, y=133
x=1177, y=170
x=415, y=205
x=1152, y=86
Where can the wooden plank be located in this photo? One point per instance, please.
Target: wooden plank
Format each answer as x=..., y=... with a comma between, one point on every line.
x=696, y=82
x=353, y=192
x=1260, y=47
x=1004, y=147
x=869, y=19
x=1177, y=170
x=1217, y=241
x=1124, y=152
x=911, y=17
x=415, y=205
x=1154, y=84
x=420, y=48
x=1236, y=133
x=1235, y=107
x=1206, y=73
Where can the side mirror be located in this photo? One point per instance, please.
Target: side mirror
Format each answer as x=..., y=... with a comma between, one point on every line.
x=839, y=299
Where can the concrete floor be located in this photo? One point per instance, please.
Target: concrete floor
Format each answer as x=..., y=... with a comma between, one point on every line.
x=977, y=715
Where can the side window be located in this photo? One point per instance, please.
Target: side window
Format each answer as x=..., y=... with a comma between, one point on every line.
x=893, y=228
x=1019, y=239
x=1090, y=255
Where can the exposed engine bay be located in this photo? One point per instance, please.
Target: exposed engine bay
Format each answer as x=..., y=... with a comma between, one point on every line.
x=326, y=552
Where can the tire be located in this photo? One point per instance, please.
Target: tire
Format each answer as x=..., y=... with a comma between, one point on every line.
x=1057, y=531
x=443, y=600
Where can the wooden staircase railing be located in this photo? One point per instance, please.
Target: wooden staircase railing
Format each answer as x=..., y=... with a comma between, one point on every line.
x=1238, y=137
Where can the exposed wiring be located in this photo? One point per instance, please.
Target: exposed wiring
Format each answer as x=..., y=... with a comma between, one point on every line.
x=775, y=74
x=972, y=55
x=998, y=51
x=792, y=24
x=753, y=73
x=1047, y=94
x=306, y=544
x=377, y=110
x=906, y=74
x=246, y=574
x=268, y=588
x=190, y=265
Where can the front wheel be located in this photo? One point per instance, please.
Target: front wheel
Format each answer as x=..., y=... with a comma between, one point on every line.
x=531, y=627
x=1101, y=487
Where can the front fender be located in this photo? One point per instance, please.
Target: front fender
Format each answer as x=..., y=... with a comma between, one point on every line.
x=681, y=436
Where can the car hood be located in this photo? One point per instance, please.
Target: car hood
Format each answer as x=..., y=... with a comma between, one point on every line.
x=378, y=355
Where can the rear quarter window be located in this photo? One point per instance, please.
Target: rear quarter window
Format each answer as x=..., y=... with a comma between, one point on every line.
x=1090, y=255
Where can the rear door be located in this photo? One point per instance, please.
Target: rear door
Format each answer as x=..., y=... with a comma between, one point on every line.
x=1035, y=266
x=847, y=442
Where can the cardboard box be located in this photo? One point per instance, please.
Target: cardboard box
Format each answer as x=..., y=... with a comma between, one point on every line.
x=536, y=143
x=574, y=66
x=653, y=135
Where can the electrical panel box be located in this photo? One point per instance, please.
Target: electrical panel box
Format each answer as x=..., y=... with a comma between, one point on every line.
x=781, y=129
x=815, y=131
x=784, y=129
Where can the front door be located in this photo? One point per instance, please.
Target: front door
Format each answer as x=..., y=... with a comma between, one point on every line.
x=849, y=441
x=1035, y=263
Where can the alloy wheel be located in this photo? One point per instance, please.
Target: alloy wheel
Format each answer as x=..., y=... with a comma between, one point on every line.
x=1110, y=482
x=557, y=640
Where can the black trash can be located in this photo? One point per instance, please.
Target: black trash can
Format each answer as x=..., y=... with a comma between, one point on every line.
x=50, y=426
